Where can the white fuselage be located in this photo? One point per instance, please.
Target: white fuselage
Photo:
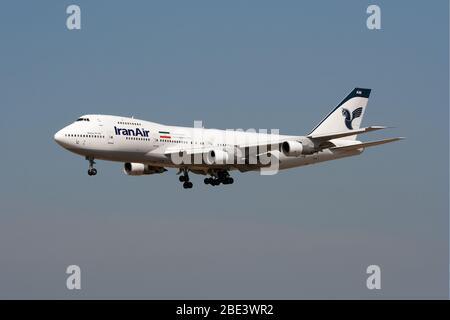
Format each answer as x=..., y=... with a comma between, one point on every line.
x=126, y=139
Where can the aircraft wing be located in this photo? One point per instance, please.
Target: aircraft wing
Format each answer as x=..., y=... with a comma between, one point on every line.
x=206, y=148
x=365, y=144
x=241, y=149
x=187, y=149
x=266, y=143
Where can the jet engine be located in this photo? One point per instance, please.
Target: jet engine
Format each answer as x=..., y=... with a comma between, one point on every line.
x=296, y=148
x=138, y=169
x=216, y=157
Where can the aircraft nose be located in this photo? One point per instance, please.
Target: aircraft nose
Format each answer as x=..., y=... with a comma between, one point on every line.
x=59, y=137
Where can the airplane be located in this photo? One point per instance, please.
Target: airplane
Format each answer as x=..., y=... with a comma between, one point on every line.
x=148, y=148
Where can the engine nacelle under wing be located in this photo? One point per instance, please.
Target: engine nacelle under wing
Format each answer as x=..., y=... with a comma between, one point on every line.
x=297, y=148
x=216, y=157
x=139, y=169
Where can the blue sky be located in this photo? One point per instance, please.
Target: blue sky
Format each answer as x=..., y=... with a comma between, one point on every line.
x=304, y=233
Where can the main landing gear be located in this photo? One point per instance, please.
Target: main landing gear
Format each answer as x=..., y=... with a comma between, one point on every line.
x=92, y=171
x=220, y=177
x=217, y=177
x=185, y=179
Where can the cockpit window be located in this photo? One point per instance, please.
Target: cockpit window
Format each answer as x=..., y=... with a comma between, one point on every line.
x=82, y=119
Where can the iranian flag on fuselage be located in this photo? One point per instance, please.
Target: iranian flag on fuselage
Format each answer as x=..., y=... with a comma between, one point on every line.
x=164, y=135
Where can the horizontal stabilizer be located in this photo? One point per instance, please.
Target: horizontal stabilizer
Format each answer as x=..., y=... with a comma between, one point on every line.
x=336, y=135
x=365, y=144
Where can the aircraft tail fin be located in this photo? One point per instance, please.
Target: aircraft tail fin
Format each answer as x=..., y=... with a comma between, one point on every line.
x=347, y=116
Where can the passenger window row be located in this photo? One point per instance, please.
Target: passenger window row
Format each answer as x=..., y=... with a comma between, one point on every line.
x=134, y=138
x=178, y=141
x=85, y=136
x=129, y=123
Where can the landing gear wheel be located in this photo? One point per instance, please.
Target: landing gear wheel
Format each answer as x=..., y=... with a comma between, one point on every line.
x=187, y=185
x=92, y=171
x=184, y=178
x=218, y=177
x=228, y=180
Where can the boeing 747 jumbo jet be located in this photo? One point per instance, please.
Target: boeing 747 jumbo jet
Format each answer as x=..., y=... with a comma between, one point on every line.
x=148, y=148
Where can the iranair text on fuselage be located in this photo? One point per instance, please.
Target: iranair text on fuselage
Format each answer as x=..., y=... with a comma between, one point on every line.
x=131, y=132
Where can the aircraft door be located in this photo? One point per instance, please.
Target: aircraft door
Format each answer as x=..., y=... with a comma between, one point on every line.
x=110, y=137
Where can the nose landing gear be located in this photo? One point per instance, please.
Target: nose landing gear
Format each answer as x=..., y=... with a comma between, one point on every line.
x=91, y=171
